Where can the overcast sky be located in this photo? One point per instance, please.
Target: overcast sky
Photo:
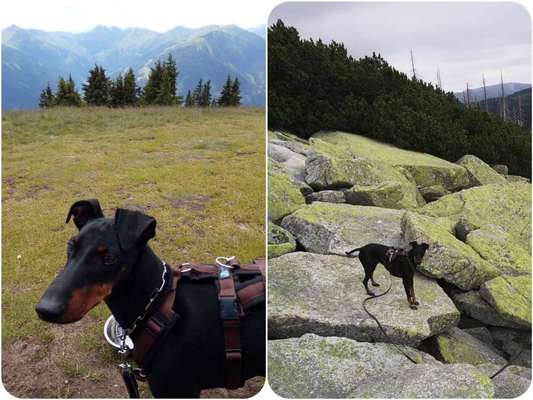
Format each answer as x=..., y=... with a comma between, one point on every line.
x=158, y=15
x=463, y=40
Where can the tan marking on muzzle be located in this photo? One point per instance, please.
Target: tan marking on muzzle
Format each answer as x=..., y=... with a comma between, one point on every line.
x=85, y=299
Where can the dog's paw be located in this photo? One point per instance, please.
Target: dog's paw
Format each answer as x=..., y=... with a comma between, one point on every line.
x=375, y=284
x=413, y=307
x=416, y=303
x=371, y=294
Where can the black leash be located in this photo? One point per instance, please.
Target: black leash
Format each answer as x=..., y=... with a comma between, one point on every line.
x=511, y=360
x=381, y=327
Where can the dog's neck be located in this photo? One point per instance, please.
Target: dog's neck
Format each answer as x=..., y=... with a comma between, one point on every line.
x=130, y=297
x=411, y=259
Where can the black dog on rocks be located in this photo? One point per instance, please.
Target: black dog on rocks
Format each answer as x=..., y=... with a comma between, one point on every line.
x=399, y=263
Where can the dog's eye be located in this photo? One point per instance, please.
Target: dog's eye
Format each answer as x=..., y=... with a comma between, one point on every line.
x=109, y=259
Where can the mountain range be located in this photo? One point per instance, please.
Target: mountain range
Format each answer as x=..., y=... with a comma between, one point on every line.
x=476, y=94
x=33, y=58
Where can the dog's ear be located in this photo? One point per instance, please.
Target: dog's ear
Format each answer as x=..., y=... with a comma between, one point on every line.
x=83, y=211
x=414, y=243
x=133, y=228
x=425, y=246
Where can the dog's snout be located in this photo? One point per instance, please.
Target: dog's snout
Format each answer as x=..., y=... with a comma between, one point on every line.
x=50, y=310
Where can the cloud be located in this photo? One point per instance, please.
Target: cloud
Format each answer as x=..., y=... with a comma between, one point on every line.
x=463, y=40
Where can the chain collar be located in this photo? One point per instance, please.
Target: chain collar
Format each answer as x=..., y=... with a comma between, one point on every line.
x=124, y=349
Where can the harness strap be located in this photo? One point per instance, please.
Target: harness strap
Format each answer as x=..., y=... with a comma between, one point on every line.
x=157, y=323
x=229, y=313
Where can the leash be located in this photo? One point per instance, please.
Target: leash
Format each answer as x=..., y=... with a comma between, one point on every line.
x=511, y=360
x=381, y=327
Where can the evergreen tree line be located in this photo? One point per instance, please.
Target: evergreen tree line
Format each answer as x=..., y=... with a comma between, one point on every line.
x=314, y=86
x=160, y=89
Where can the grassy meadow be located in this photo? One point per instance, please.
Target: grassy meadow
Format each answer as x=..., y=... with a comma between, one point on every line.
x=200, y=173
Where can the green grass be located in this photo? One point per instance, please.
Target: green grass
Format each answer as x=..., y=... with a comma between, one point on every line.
x=200, y=173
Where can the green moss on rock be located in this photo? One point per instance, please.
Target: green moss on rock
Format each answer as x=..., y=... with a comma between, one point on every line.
x=284, y=197
x=511, y=297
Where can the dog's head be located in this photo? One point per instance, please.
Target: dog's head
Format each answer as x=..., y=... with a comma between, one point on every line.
x=98, y=257
x=418, y=250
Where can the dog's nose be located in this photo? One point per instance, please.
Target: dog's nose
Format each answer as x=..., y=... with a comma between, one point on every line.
x=50, y=310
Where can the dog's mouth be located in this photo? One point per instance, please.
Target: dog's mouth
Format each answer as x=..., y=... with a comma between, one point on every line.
x=418, y=261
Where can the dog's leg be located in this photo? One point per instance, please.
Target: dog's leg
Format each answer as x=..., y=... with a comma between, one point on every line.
x=408, y=286
x=365, y=282
x=415, y=302
x=374, y=283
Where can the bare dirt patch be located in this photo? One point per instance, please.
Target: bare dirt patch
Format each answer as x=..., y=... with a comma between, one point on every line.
x=59, y=368
x=192, y=203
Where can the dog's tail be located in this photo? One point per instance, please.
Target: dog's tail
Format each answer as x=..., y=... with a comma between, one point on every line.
x=353, y=251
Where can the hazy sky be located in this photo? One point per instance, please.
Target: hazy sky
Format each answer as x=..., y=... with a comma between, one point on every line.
x=158, y=15
x=463, y=40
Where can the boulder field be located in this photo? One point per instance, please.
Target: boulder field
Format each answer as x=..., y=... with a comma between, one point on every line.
x=338, y=191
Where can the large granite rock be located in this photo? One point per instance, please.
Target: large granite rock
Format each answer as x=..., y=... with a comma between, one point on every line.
x=472, y=304
x=497, y=242
x=316, y=367
x=291, y=161
x=499, y=247
x=479, y=172
x=284, y=196
x=327, y=196
x=434, y=192
x=428, y=382
x=512, y=382
x=279, y=241
x=387, y=195
x=336, y=228
x=510, y=296
x=426, y=170
x=337, y=167
x=457, y=346
x=515, y=343
x=507, y=206
x=324, y=294
x=447, y=257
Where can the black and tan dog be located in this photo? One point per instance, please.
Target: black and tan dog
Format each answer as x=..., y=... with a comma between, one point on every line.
x=109, y=260
x=399, y=263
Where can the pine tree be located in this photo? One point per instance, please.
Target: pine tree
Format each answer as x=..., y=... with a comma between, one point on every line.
x=47, y=98
x=197, y=93
x=66, y=93
x=189, y=102
x=205, y=95
x=130, y=89
x=165, y=95
x=96, y=90
x=235, y=99
x=225, y=95
x=151, y=89
x=117, y=92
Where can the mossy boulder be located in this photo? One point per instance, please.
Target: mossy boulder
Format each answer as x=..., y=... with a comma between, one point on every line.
x=511, y=383
x=434, y=192
x=279, y=241
x=457, y=346
x=291, y=161
x=447, y=257
x=328, y=228
x=428, y=381
x=337, y=167
x=326, y=196
x=510, y=296
x=499, y=216
x=323, y=295
x=427, y=170
x=501, y=169
x=387, y=195
x=284, y=196
x=311, y=366
x=499, y=247
x=472, y=304
x=479, y=172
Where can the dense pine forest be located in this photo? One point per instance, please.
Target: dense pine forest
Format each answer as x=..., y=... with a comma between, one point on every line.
x=314, y=86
